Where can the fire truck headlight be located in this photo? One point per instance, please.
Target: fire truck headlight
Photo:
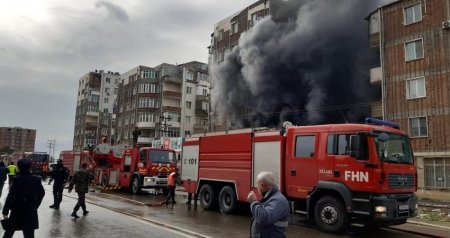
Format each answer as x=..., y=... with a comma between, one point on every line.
x=380, y=209
x=149, y=179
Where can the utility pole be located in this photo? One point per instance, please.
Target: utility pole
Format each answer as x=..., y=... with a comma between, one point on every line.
x=51, y=144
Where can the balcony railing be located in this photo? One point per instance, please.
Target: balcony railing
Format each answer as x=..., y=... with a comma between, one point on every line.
x=170, y=94
x=145, y=124
x=172, y=79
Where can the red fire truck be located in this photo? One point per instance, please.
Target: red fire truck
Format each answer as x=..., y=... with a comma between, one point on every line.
x=135, y=169
x=338, y=175
x=38, y=160
x=73, y=160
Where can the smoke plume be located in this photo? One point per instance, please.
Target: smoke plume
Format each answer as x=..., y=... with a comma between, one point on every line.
x=308, y=63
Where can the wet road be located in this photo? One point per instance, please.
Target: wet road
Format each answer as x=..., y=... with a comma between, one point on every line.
x=119, y=214
x=100, y=222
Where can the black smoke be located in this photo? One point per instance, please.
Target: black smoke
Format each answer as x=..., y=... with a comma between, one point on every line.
x=307, y=63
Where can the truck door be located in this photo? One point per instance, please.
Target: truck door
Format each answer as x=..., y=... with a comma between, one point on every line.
x=301, y=164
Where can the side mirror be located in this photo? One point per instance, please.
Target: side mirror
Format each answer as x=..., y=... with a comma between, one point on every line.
x=354, y=146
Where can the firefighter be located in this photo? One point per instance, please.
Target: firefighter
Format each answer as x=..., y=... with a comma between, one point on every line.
x=81, y=180
x=12, y=170
x=171, y=185
x=60, y=175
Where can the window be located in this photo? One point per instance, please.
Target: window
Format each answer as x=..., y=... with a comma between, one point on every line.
x=338, y=144
x=186, y=133
x=188, y=119
x=149, y=74
x=412, y=14
x=205, y=92
x=188, y=90
x=305, y=146
x=220, y=35
x=115, y=90
x=415, y=88
x=414, y=50
x=188, y=105
x=108, y=80
x=106, y=100
x=148, y=103
x=418, y=127
x=234, y=27
x=148, y=88
x=105, y=110
x=221, y=55
x=106, y=90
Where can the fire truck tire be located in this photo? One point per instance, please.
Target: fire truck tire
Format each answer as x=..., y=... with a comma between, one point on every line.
x=227, y=199
x=208, y=199
x=135, y=188
x=330, y=215
x=104, y=182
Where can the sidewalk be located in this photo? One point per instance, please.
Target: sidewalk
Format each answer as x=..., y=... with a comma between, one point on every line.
x=434, y=209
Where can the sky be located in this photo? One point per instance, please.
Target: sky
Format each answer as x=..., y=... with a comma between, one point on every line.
x=47, y=45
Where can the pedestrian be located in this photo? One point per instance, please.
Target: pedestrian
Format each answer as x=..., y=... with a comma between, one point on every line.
x=81, y=180
x=23, y=201
x=59, y=175
x=3, y=175
x=171, y=185
x=271, y=213
x=12, y=170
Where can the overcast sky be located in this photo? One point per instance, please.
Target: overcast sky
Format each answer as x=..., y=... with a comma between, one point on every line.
x=47, y=45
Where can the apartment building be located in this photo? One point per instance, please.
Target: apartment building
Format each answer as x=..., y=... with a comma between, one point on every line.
x=17, y=138
x=94, y=117
x=413, y=39
x=225, y=36
x=166, y=101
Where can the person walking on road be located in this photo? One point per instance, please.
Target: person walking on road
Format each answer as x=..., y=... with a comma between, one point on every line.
x=59, y=175
x=12, y=170
x=271, y=213
x=23, y=201
x=3, y=175
x=81, y=180
x=171, y=185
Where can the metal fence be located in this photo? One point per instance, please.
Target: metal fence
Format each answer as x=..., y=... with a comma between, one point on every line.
x=437, y=173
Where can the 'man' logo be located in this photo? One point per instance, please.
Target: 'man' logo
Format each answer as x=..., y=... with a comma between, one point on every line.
x=357, y=176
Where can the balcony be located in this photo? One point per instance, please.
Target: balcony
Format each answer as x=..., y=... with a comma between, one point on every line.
x=377, y=109
x=171, y=109
x=376, y=75
x=198, y=128
x=92, y=113
x=145, y=139
x=170, y=94
x=91, y=124
x=202, y=98
x=201, y=112
x=172, y=79
x=145, y=124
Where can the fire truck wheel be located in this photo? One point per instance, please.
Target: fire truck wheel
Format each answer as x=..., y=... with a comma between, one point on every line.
x=207, y=197
x=135, y=188
x=330, y=215
x=104, y=183
x=227, y=199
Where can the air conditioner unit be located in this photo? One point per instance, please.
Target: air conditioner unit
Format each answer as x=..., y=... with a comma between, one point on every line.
x=446, y=24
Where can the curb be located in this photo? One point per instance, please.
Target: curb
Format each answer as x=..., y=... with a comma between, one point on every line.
x=428, y=224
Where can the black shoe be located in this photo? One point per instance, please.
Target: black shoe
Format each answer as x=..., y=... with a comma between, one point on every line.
x=85, y=212
x=52, y=206
x=188, y=202
x=74, y=214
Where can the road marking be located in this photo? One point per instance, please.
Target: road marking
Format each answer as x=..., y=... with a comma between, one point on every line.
x=174, y=229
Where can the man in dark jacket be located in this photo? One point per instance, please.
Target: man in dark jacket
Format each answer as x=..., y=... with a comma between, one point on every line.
x=23, y=201
x=59, y=175
x=3, y=175
x=81, y=180
x=271, y=214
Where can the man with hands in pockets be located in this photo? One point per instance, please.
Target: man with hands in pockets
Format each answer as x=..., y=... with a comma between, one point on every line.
x=271, y=213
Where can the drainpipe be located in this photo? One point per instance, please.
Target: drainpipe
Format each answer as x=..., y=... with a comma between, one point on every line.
x=383, y=74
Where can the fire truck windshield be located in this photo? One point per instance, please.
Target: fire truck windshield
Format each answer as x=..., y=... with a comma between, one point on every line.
x=393, y=148
x=38, y=157
x=161, y=156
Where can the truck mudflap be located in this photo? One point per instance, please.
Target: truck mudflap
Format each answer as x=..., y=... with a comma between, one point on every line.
x=155, y=181
x=391, y=209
